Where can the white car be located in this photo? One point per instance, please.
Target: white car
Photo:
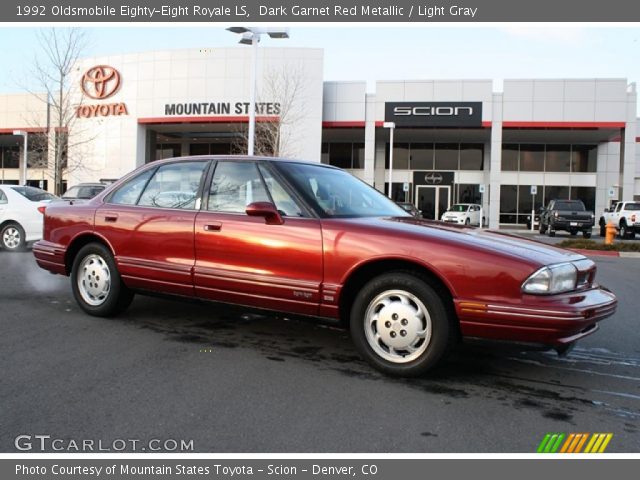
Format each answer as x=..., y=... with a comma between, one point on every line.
x=21, y=215
x=463, y=214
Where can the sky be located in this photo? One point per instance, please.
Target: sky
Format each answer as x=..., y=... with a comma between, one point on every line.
x=373, y=53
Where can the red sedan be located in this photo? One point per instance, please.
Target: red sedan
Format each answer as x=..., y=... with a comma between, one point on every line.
x=311, y=239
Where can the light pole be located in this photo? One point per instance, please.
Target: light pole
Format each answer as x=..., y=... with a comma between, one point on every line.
x=391, y=126
x=251, y=36
x=25, y=135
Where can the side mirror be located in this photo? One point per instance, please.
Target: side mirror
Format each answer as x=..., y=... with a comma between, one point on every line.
x=267, y=210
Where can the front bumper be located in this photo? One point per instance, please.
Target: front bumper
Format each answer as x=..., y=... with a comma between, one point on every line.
x=553, y=320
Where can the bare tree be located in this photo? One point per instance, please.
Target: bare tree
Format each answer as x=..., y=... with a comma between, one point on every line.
x=53, y=70
x=273, y=134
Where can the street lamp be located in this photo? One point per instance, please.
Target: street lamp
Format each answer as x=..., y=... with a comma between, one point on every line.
x=25, y=135
x=391, y=126
x=251, y=36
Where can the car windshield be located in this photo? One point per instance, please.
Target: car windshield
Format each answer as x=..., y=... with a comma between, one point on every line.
x=572, y=206
x=334, y=193
x=459, y=208
x=34, y=194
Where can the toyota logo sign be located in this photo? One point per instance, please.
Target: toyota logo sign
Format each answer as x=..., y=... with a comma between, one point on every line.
x=100, y=82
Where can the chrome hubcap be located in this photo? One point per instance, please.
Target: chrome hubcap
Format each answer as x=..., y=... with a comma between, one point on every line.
x=11, y=237
x=94, y=280
x=398, y=326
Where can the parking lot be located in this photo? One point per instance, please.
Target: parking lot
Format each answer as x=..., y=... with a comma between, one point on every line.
x=238, y=381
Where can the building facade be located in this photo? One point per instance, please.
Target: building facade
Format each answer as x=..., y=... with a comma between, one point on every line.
x=453, y=141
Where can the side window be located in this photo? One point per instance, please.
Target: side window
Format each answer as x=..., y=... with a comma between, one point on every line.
x=174, y=186
x=129, y=193
x=619, y=207
x=234, y=186
x=3, y=198
x=284, y=203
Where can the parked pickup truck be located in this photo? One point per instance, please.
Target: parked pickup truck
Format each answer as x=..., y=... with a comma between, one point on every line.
x=625, y=216
x=568, y=215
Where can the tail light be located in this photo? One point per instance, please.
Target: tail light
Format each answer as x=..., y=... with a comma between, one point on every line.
x=41, y=209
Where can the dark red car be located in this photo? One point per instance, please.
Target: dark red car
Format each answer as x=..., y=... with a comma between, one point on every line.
x=311, y=239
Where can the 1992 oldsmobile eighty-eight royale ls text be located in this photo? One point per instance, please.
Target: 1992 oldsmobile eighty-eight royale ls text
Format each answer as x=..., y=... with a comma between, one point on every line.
x=311, y=239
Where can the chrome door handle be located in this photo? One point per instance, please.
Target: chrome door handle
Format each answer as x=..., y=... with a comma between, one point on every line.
x=213, y=227
x=110, y=218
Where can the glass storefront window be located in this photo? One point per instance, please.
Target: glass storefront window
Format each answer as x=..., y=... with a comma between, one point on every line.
x=469, y=193
x=558, y=158
x=584, y=158
x=510, y=158
x=525, y=199
x=471, y=156
x=324, y=153
x=340, y=155
x=421, y=156
x=446, y=156
x=586, y=194
x=552, y=192
x=358, y=155
x=508, y=199
x=532, y=158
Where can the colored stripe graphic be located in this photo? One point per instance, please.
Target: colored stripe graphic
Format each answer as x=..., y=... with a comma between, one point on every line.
x=553, y=443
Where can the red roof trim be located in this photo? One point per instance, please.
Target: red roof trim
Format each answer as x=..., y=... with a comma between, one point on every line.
x=214, y=119
x=26, y=129
x=341, y=124
x=563, y=124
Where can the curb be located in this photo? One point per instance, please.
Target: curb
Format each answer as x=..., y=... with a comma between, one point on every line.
x=597, y=253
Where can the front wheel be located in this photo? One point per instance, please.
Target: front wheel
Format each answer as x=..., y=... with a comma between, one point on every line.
x=624, y=230
x=400, y=324
x=12, y=237
x=96, y=283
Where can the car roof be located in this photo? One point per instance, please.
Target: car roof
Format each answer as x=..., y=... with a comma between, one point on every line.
x=240, y=158
x=89, y=184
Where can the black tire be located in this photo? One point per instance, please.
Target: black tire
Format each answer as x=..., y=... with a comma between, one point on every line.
x=12, y=237
x=573, y=233
x=467, y=222
x=624, y=230
x=543, y=228
x=586, y=234
x=94, y=259
x=430, y=350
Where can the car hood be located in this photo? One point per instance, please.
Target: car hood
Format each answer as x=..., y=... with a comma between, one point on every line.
x=454, y=214
x=533, y=252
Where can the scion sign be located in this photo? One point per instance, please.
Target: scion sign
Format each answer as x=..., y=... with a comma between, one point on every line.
x=434, y=114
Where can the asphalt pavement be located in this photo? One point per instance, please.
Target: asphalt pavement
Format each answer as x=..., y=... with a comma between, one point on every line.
x=232, y=380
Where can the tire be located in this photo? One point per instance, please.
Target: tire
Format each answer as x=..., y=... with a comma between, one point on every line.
x=96, y=283
x=624, y=230
x=543, y=228
x=397, y=297
x=467, y=222
x=12, y=237
x=573, y=233
x=586, y=234
x=552, y=233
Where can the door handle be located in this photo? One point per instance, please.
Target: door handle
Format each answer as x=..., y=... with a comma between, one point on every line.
x=110, y=218
x=213, y=227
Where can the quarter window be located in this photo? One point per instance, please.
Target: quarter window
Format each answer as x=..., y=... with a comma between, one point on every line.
x=234, y=186
x=174, y=186
x=3, y=198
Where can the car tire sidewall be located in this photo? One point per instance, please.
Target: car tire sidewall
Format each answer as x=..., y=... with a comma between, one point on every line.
x=119, y=296
x=441, y=324
x=21, y=232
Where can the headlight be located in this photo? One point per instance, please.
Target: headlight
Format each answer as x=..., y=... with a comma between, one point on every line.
x=552, y=279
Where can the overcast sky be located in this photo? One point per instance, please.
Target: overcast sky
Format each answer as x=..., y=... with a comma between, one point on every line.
x=387, y=53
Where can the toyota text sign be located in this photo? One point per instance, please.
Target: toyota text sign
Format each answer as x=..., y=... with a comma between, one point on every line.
x=434, y=114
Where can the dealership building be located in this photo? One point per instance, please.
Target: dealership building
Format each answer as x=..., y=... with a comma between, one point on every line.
x=437, y=141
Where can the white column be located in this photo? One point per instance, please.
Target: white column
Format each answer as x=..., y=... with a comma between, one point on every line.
x=496, y=162
x=627, y=176
x=370, y=139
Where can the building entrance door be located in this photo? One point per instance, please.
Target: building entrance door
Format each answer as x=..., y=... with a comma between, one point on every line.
x=433, y=200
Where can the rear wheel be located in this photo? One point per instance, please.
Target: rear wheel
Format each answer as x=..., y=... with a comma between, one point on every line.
x=96, y=283
x=12, y=237
x=400, y=324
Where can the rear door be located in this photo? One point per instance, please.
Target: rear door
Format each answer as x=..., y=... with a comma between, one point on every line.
x=149, y=223
x=240, y=259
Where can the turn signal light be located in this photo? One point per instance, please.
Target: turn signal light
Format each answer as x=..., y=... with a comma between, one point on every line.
x=41, y=209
